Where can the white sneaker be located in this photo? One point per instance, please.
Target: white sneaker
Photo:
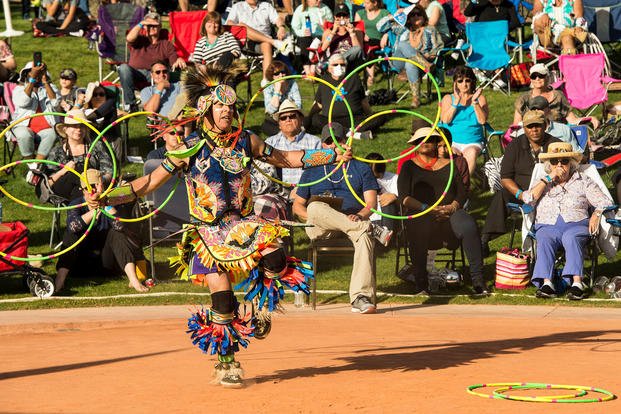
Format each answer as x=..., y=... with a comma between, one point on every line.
x=79, y=33
x=382, y=234
x=280, y=46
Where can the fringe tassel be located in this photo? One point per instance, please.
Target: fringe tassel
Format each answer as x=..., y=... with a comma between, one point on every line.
x=269, y=291
x=214, y=338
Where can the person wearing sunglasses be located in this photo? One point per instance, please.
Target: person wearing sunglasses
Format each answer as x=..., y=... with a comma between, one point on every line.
x=568, y=209
x=274, y=95
x=68, y=92
x=516, y=170
x=560, y=109
x=464, y=112
x=99, y=107
x=145, y=48
x=291, y=136
x=160, y=96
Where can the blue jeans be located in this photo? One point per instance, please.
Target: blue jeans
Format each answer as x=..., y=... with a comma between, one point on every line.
x=128, y=76
x=572, y=237
x=405, y=50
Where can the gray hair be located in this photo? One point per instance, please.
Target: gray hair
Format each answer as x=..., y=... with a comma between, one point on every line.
x=573, y=166
x=336, y=56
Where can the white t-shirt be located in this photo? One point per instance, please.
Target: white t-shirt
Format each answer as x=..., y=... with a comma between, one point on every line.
x=388, y=184
x=260, y=18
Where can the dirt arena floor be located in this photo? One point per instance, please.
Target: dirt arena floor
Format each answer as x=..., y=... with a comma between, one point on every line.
x=408, y=358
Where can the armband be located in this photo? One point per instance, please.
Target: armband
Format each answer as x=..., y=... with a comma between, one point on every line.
x=548, y=178
x=78, y=106
x=317, y=157
x=158, y=92
x=328, y=38
x=32, y=80
x=169, y=166
x=267, y=151
x=140, y=25
x=517, y=194
x=121, y=195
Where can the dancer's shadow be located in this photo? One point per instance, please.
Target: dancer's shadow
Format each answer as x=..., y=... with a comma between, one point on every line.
x=443, y=355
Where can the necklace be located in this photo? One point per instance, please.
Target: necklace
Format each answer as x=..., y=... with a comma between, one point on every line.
x=426, y=165
x=325, y=171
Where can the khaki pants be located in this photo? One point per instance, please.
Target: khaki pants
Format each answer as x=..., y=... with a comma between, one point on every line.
x=329, y=223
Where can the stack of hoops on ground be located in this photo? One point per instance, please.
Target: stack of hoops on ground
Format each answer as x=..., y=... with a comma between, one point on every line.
x=216, y=243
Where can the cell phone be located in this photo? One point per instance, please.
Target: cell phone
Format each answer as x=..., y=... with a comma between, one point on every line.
x=37, y=58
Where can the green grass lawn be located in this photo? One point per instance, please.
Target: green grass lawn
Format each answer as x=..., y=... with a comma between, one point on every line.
x=334, y=273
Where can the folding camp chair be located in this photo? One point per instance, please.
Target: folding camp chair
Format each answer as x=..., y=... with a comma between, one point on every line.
x=584, y=81
x=606, y=240
x=185, y=30
x=114, y=21
x=604, y=17
x=253, y=58
x=489, y=42
x=170, y=218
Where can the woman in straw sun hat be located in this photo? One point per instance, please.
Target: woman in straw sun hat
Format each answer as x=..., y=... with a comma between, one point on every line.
x=564, y=199
x=71, y=151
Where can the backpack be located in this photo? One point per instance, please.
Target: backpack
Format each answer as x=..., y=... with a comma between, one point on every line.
x=609, y=133
x=382, y=97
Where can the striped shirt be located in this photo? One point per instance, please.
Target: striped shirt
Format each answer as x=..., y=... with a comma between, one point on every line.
x=205, y=53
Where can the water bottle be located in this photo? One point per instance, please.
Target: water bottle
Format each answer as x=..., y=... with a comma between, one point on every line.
x=300, y=299
x=614, y=286
x=308, y=25
x=600, y=284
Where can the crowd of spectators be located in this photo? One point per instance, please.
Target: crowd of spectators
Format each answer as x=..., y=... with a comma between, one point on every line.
x=328, y=42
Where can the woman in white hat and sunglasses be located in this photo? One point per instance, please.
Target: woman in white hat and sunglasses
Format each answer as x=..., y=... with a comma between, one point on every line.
x=564, y=199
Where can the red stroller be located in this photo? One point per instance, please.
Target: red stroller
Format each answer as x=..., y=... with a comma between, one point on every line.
x=14, y=243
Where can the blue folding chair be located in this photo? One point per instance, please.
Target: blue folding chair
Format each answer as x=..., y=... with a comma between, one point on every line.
x=489, y=45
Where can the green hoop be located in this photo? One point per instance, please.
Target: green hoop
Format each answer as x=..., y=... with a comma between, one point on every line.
x=535, y=385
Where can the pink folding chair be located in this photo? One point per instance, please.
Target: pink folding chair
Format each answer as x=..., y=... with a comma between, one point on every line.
x=585, y=83
x=185, y=30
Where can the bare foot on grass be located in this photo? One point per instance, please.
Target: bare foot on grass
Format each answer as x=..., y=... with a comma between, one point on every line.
x=138, y=286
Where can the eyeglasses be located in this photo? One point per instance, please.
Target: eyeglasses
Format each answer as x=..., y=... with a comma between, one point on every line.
x=462, y=80
x=563, y=161
x=161, y=72
x=286, y=117
x=99, y=94
x=282, y=72
x=339, y=64
x=537, y=76
x=152, y=26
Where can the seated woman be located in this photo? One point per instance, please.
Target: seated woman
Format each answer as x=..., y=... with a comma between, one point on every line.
x=120, y=248
x=371, y=14
x=421, y=182
x=34, y=94
x=275, y=94
x=564, y=199
x=437, y=18
x=71, y=151
x=422, y=44
x=64, y=17
x=560, y=23
x=343, y=38
x=560, y=110
x=215, y=45
x=464, y=112
x=7, y=62
x=100, y=108
x=307, y=25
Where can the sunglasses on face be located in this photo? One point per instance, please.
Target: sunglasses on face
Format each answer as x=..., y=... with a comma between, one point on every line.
x=279, y=73
x=537, y=76
x=286, y=117
x=462, y=80
x=152, y=26
x=161, y=72
x=555, y=161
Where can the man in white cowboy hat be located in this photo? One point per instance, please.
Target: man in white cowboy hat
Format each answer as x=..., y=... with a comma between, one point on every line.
x=564, y=199
x=292, y=136
x=515, y=173
x=35, y=93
